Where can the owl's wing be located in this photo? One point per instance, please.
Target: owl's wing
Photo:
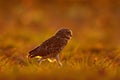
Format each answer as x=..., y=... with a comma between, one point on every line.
x=53, y=45
x=42, y=49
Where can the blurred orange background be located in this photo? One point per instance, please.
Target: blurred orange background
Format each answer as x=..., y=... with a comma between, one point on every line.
x=93, y=51
x=92, y=21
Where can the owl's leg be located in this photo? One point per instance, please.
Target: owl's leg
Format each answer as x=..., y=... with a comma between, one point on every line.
x=40, y=60
x=58, y=60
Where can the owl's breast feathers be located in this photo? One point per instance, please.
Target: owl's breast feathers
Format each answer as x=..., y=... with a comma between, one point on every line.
x=53, y=45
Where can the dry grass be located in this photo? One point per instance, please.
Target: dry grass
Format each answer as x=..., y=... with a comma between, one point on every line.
x=95, y=63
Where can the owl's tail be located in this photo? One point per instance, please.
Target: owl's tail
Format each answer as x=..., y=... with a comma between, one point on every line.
x=32, y=54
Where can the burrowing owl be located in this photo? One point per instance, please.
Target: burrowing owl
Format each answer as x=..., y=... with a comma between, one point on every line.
x=51, y=48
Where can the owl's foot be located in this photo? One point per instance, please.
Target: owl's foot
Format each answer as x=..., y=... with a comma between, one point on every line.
x=60, y=64
x=58, y=61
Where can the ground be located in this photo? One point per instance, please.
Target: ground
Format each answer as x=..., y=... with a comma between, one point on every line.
x=85, y=63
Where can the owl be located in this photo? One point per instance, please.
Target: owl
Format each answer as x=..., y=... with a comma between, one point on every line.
x=52, y=47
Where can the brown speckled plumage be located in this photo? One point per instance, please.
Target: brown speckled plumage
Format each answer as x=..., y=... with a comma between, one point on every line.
x=52, y=47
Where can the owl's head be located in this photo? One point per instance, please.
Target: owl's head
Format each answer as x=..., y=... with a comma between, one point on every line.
x=64, y=33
